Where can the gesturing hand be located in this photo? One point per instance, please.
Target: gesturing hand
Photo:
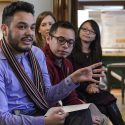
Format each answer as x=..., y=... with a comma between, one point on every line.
x=87, y=73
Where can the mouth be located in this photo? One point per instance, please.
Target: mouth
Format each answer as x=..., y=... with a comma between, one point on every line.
x=47, y=33
x=63, y=52
x=88, y=37
x=27, y=40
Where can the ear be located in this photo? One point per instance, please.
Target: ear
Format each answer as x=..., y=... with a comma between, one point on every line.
x=48, y=39
x=4, y=29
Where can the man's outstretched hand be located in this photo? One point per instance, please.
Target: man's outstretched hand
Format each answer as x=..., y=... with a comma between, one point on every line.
x=87, y=73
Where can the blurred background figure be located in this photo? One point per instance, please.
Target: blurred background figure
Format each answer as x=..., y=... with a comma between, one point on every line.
x=43, y=24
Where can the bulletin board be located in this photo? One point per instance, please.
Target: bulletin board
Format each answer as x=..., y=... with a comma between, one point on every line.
x=113, y=32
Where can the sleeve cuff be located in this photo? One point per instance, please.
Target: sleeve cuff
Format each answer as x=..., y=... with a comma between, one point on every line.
x=69, y=82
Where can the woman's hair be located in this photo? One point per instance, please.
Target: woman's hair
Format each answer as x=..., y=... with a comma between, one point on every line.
x=95, y=47
x=39, y=19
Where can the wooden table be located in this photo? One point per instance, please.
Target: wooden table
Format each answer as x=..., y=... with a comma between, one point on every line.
x=110, y=69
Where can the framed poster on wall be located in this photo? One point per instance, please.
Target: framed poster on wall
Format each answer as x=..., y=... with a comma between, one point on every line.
x=113, y=31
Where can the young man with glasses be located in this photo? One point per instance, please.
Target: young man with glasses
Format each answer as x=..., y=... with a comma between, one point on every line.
x=59, y=45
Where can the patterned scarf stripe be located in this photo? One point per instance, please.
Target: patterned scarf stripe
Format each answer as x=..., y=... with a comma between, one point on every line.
x=36, y=72
x=36, y=78
x=29, y=86
x=41, y=77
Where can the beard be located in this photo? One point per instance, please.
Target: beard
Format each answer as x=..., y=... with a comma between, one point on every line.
x=22, y=50
x=14, y=43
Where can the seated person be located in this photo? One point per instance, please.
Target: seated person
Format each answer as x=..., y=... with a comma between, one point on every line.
x=26, y=93
x=87, y=51
x=59, y=45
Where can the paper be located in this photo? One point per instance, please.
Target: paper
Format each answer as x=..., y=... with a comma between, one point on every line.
x=71, y=108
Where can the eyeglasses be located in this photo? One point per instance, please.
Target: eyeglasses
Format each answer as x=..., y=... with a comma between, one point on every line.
x=61, y=40
x=87, y=30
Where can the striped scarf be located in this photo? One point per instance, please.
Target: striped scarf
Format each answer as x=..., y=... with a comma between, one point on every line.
x=34, y=89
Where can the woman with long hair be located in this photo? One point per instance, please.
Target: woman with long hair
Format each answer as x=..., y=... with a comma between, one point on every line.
x=87, y=51
x=44, y=22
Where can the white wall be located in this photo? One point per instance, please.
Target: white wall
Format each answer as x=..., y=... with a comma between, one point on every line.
x=2, y=5
x=41, y=5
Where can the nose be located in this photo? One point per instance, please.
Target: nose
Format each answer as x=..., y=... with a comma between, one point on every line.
x=88, y=31
x=66, y=44
x=48, y=27
x=29, y=31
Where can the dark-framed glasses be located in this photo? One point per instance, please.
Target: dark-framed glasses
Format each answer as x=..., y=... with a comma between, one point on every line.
x=87, y=30
x=61, y=40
